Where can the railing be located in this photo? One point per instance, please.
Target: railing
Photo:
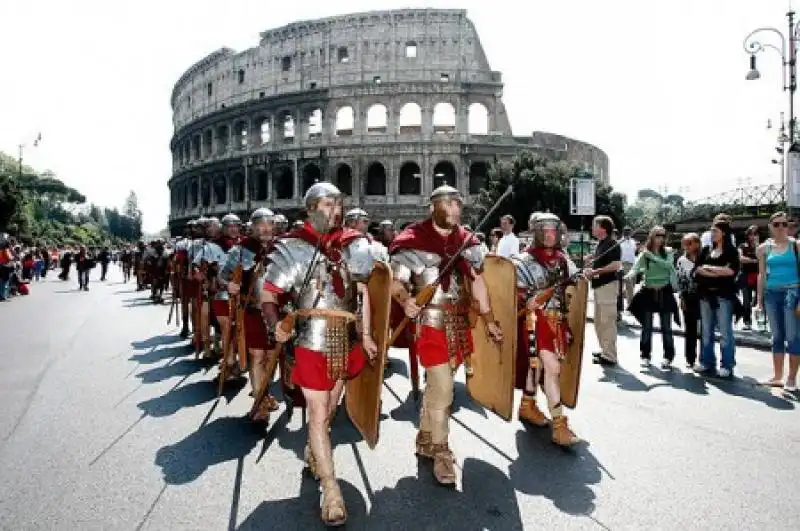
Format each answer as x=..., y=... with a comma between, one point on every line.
x=754, y=201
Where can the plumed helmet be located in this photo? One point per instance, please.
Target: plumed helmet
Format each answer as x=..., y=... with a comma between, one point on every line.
x=542, y=220
x=261, y=214
x=445, y=192
x=320, y=190
x=231, y=219
x=356, y=213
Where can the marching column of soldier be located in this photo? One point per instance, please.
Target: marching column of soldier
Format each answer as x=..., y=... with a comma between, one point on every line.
x=322, y=302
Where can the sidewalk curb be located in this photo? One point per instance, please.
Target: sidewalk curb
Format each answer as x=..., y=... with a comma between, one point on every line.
x=749, y=342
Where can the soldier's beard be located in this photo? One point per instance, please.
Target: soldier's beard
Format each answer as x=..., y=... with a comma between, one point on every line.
x=441, y=220
x=319, y=220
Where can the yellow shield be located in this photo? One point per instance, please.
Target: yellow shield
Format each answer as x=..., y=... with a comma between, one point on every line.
x=490, y=370
x=577, y=299
x=363, y=393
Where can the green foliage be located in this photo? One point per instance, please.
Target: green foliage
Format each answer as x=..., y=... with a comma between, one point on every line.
x=651, y=208
x=542, y=185
x=40, y=207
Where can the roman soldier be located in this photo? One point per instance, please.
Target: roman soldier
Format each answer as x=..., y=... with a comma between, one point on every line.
x=185, y=251
x=387, y=233
x=358, y=219
x=543, y=274
x=324, y=267
x=138, y=264
x=250, y=255
x=442, y=337
x=209, y=230
x=157, y=267
x=217, y=254
x=281, y=224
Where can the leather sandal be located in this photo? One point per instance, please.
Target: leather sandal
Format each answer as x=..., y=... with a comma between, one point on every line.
x=332, y=510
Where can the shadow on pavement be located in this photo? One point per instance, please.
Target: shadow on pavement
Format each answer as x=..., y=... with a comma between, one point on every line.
x=461, y=399
x=486, y=501
x=181, y=368
x=154, y=356
x=623, y=379
x=224, y=439
x=679, y=380
x=752, y=390
x=562, y=476
x=303, y=512
x=398, y=366
x=156, y=341
x=191, y=395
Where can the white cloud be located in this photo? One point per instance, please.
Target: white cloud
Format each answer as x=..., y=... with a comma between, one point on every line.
x=658, y=85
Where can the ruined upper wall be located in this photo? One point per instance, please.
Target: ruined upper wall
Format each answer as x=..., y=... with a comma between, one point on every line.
x=401, y=46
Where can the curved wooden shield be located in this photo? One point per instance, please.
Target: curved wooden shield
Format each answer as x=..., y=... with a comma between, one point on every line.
x=363, y=393
x=577, y=297
x=490, y=379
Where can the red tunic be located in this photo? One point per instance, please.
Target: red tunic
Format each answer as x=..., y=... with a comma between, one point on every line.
x=310, y=369
x=430, y=344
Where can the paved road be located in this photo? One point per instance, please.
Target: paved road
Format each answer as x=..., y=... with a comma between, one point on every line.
x=107, y=423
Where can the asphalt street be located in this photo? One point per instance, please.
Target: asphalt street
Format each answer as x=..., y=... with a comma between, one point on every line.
x=108, y=422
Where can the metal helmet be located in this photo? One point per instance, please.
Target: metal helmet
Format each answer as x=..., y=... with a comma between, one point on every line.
x=320, y=190
x=356, y=213
x=533, y=218
x=544, y=220
x=280, y=218
x=299, y=224
x=386, y=223
x=212, y=221
x=445, y=192
x=202, y=220
x=261, y=214
x=231, y=219
x=191, y=223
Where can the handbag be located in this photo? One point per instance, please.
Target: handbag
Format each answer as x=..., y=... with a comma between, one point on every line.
x=797, y=263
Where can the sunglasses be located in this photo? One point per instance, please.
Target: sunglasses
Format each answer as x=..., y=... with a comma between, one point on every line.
x=778, y=224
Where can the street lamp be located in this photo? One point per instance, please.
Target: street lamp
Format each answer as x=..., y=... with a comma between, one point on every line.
x=789, y=56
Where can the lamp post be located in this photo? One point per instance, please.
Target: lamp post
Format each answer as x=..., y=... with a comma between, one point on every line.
x=22, y=148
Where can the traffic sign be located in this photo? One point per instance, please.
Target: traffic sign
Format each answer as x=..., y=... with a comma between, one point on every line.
x=581, y=197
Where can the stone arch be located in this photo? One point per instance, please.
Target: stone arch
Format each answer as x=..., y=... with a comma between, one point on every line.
x=410, y=179
x=283, y=182
x=288, y=127
x=344, y=179
x=477, y=176
x=315, y=123
x=410, y=118
x=222, y=139
x=377, y=118
x=194, y=189
x=265, y=130
x=345, y=121
x=444, y=118
x=311, y=174
x=220, y=190
x=376, y=179
x=237, y=187
x=478, y=119
x=261, y=181
x=445, y=173
x=205, y=192
x=241, y=140
x=208, y=142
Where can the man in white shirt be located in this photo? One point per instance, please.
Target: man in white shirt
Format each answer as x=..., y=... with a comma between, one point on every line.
x=508, y=245
x=627, y=247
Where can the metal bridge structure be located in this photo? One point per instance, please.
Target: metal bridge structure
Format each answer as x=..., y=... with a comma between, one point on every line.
x=747, y=205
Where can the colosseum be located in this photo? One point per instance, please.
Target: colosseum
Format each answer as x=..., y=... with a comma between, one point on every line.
x=386, y=104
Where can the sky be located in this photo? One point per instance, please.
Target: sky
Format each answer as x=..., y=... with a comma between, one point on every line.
x=659, y=85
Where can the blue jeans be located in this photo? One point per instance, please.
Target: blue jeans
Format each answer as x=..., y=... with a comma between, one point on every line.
x=779, y=305
x=720, y=317
x=646, y=339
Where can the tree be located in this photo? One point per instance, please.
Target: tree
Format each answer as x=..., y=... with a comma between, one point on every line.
x=11, y=200
x=542, y=185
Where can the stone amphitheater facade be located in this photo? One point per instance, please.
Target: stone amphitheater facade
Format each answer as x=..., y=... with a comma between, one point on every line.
x=386, y=104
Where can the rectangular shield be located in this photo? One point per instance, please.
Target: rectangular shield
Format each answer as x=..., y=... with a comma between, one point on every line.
x=363, y=393
x=490, y=378
x=577, y=300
